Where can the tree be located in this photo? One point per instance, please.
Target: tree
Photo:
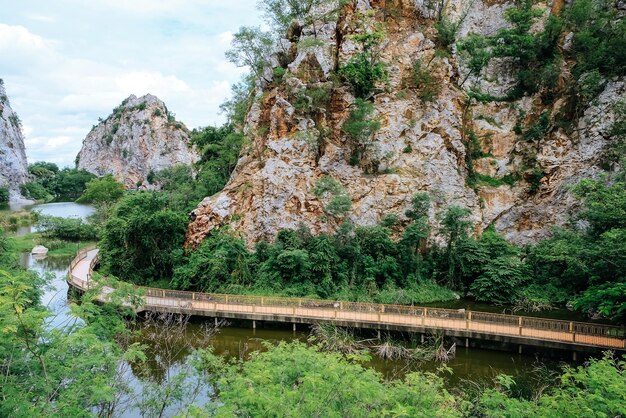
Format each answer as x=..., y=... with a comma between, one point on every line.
x=360, y=127
x=68, y=370
x=281, y=14
x=252, y=48
x=143, y=238
x=455, y=225
x=500, y=281
x=102, y=191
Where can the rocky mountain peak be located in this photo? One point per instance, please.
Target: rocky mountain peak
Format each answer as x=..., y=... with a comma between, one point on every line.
x=140, y=137
x=432, y=123
x=13, y=164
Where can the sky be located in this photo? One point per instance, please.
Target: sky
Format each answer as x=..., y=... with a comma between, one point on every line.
x=66, y=63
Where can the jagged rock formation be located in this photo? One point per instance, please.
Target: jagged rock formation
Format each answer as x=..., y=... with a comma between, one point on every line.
x=140, y=137
x=13, y=165
x=421, y=146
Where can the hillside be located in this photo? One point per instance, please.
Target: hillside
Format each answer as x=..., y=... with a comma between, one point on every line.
x=140, y=138
x=13, y=165
x=455, y=106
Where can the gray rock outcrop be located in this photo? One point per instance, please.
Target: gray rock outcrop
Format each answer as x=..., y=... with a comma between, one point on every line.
x=140, y=137
x=13, y=164
x=422, y=145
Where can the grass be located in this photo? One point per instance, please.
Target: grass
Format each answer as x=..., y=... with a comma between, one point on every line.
x=57, y=248
x=10, y=219
x=484, y=180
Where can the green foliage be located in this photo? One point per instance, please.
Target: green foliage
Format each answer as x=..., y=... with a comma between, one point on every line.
x=219, y=152
x=70, y=229
x=35, y=191
x=482, y=179
x=420, y=205
x=608, y=300
x=500, y=280
x=281, y=14
x=426, y=84
x=66, y=370
x=589, y=261
x=102, y=191
x=327, y=185
x=311, y=99
x=539, y=129
x=251, y=47
x=15, y=121
x=363, y=72
x=594, y=390
x=4, y=195
x=48, y=182
x=241, y=99
x=294, y=380
x=143, y=238
x=354, y=264
x=535, y=54
x=360, y=127
x=534, y=178
x=221, y=260
x=616, y=152
x=446, y=32
x=277, y=74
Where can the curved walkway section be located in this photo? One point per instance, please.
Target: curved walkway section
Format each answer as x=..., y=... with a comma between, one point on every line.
x=539, y=332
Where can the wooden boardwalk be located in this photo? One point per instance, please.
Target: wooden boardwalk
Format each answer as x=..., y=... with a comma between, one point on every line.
x=514, y=329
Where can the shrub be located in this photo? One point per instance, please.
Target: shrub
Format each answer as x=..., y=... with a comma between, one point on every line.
x=502, y=278
x=4, y=195
x=363, y=73
x=339, y=202
x=446, y=32
x=36, y=191
x=426, y=84
x=69, y=229
x=361, y=127
x=278, y=73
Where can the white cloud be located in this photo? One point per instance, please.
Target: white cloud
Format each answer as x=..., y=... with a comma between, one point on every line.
x=141, y=81
x=41, y=18
x=20, y=38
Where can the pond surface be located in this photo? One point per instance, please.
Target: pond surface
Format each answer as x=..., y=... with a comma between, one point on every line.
x=239, y=340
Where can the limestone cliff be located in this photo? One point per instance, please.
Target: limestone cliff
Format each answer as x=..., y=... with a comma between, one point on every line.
x=140, y=137
x=422, y=145
x=13, y=165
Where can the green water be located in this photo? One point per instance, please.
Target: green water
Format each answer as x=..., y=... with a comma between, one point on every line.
x=237, y=341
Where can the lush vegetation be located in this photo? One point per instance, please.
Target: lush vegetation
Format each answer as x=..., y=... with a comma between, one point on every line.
x=48, y=182
x=4, y=195
x=141, y=239
x=102, y=191
x=69, y=370
x=294, y=380
x=597, y=51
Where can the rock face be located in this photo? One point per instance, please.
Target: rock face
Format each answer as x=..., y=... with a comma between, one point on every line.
x=422, y=146
x=140, y=137
x=13, y=165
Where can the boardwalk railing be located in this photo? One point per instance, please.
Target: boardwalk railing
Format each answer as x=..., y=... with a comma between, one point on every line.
x=359, y=312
